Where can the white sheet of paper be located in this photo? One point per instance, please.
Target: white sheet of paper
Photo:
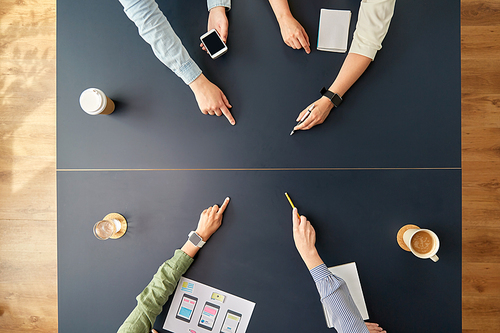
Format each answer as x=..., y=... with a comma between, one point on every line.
x=333, y=31
x=204, y=293
x=349, y=273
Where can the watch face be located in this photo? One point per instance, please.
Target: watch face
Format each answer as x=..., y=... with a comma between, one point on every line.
x=195, y=239
x=336, y=100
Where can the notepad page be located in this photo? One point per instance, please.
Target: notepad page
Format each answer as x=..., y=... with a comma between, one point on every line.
x=349, y=273
x=333, y=30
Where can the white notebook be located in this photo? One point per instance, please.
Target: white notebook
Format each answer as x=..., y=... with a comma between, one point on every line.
x=349, y=273
x=333, y=30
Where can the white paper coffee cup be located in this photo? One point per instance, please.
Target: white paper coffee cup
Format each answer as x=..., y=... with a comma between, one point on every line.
x=94, y=102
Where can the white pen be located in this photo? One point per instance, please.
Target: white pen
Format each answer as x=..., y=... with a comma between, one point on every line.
x=304, y=117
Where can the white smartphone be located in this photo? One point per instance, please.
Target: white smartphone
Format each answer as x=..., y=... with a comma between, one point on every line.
x=231, y=322
x=214, y=44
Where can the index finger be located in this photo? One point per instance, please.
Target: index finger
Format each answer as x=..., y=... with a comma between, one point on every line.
x=304, y=41
x=309, y=120
x=295, y=218
x=301, y=114
x=224, y=205
x=228, y=115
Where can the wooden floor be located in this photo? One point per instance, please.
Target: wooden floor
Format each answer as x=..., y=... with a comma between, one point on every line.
x=28, y=270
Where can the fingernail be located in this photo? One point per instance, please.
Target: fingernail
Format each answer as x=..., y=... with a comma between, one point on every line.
x=228, y=198
x=233, y=123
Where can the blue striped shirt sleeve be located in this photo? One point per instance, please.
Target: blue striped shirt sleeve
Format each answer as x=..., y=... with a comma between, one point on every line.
x=337, y=302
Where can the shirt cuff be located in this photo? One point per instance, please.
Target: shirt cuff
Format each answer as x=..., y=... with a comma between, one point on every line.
x=180, y=261
x=189, y=71
x=363, y=50
x=215, y=3
x=320, y=272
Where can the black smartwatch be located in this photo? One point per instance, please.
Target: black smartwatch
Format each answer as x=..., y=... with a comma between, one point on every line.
x=336, y=99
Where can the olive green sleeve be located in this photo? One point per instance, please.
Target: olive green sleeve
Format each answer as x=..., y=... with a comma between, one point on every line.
x=156, y=294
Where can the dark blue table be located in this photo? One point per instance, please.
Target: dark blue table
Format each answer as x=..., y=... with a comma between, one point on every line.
x=389, y=156
x=403, y=112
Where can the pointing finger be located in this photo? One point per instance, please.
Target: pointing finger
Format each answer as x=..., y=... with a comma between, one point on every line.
x=224, y=205
x=304, y=42
x=228, y=115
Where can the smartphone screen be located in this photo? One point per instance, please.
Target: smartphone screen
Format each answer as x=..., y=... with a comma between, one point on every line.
x=186, y=308
x=208, y=316
x=213, y=43
x=231, y=322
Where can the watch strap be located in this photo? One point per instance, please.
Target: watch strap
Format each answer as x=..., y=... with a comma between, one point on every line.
x=336, y=99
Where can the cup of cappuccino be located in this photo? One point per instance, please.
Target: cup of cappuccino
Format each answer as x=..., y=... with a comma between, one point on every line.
x=94, y=101
x=423, y=243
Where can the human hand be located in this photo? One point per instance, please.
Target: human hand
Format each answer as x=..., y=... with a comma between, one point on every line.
x=211, y=100
x=374, y=328
x=217, y=20
x=304, y=237
x=318, y=115
x=293, y=33
x=211, y=220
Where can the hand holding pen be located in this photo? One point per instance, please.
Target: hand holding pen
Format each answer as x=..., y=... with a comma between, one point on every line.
x=304, y=117
x=322, y=108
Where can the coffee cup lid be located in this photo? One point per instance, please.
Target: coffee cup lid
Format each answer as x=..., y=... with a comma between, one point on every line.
x=92, y=101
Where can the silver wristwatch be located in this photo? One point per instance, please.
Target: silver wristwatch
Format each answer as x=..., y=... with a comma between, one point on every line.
x=195, y=239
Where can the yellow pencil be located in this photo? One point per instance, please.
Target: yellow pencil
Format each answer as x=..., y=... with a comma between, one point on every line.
x=291, y=203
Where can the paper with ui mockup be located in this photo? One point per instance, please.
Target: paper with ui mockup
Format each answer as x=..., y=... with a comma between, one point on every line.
x=333, y=30
x=349, y=273
x=198, y=308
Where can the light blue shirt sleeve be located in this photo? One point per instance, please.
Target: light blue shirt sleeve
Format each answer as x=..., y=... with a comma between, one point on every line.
x=214, y=3
x=155, y=29
x=341, y=310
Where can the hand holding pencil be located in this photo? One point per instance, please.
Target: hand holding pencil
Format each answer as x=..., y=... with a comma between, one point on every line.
x=291, y=203
x=304, y=237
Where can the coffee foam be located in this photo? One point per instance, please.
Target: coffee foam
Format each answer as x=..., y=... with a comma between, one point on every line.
x=422, y=242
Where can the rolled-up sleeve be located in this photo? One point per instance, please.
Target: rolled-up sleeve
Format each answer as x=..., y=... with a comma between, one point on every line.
x=373, y=23
x=155, y=29
x=337, y=301
x=156, y=294
x=215, y=3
